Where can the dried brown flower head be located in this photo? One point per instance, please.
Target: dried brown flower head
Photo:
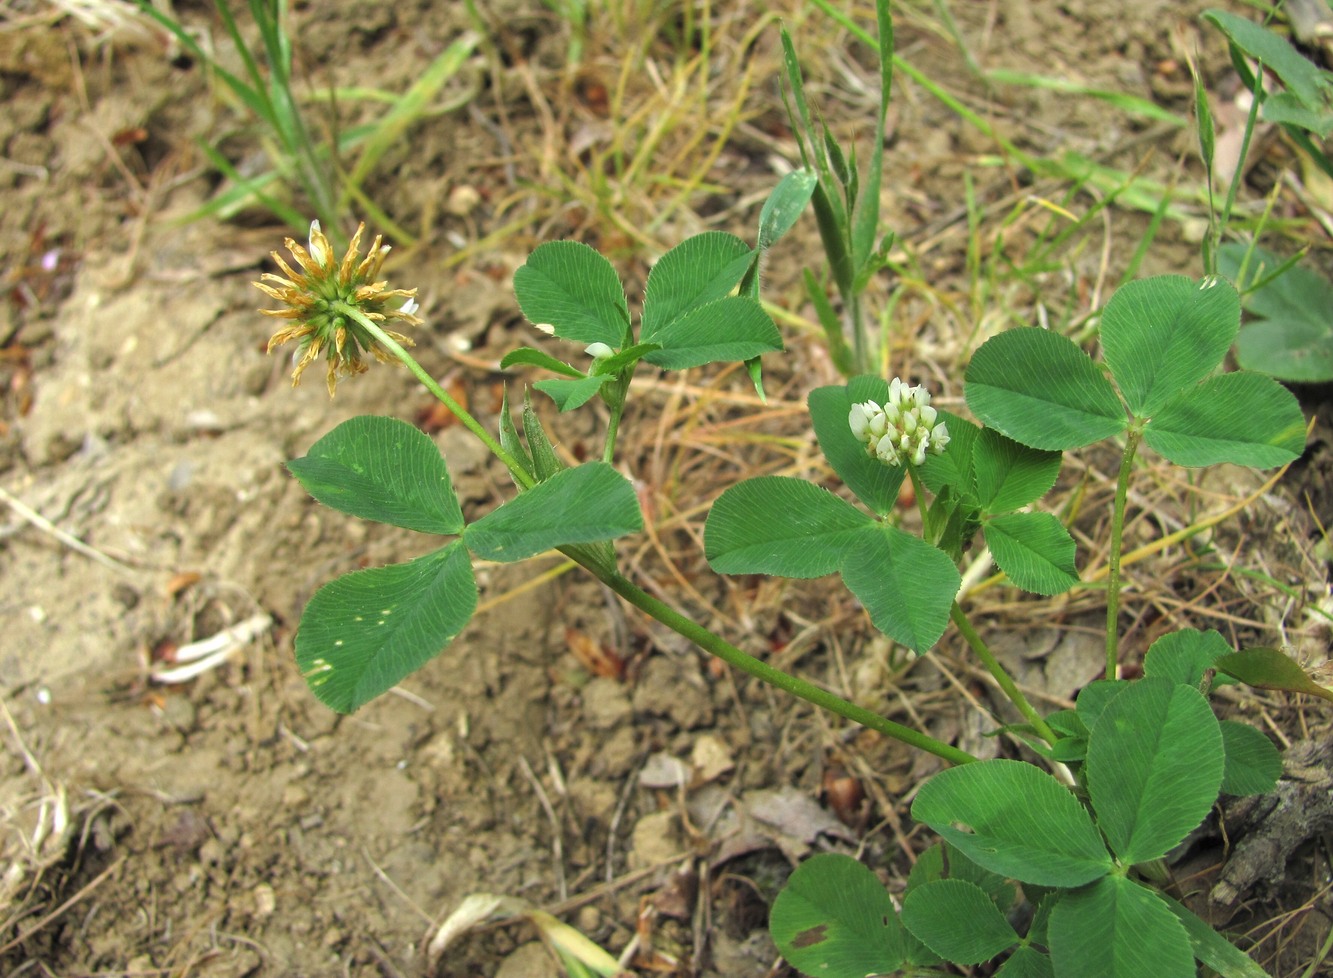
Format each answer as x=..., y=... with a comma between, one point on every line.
x=324, y=300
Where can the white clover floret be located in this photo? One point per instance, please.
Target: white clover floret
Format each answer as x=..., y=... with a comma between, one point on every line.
x=599, y=351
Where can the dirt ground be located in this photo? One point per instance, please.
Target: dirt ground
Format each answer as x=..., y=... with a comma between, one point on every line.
x=563, y=750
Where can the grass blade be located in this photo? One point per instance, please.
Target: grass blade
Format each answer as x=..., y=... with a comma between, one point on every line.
x=411, y=106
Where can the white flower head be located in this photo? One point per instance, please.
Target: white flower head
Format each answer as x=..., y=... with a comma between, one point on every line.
x=904, y=430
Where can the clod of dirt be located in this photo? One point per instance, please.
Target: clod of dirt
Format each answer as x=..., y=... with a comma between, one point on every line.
x=656, y=839
x=674, y=687
x=605, y=704
x=530, y=960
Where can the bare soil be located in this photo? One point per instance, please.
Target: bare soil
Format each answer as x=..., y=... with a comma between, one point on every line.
x=562, y=750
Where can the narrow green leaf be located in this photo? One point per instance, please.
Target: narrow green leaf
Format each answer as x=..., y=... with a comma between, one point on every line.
x=874, y=483
x=834, y=918
x=1116, y=928
x=784, y=205
x=700, y=270
x=906, y=585
x=545, y=462
x=509, y=439
x=1203, y=116
x=831, y=219
x=1040, y=389
x=864, y=201
x=1034, y=550
x=1271, y=669
x=364, y=632
x=571, y=394
x=1116, y=99
x=1243, y=418
x=1253, y=764
x=411, y=105
x=579, y=505
x=1212, y=948
x=732, y=328
x=798, y=109
x=382, y=469
x=839, y=351
x=845, y=173
x=958, y=921
x=1154, y=767
x=781, y=526
x=243, y=192
x=1015, y=820
x=884, y=33
x=755, y=368
x=569, y=287
x=1185, y=656
x=536, y=358
x=255, y=98
x=1163, y=334
x=1010, y=475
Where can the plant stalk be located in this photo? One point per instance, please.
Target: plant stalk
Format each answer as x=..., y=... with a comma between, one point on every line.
x=1001, y=676
x=1113, y=559
x=520, y=474
x=616, y=403
x=728, y=653
x=612, y=429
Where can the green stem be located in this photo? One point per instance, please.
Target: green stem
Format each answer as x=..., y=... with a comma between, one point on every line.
x=978, y=644
x=919, y=490
x=859, y=344
x=1002, y=677
x=728, y=653
x=520, y=474
x=612, y=427
x=1117, y=540
x=616, y=402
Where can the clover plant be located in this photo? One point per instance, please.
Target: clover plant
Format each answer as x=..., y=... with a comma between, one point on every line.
x=1139, y=764
x=1079, y=833
x=1133, y=769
